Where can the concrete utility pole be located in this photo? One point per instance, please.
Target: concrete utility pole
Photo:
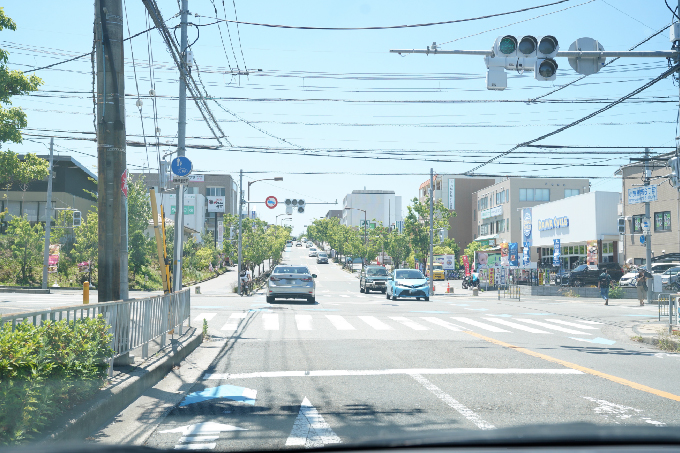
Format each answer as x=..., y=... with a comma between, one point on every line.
x=48, y=217
x=111, y=150
x=181, y=150
x=648, y=235
x=431, y=230
x=240, y=228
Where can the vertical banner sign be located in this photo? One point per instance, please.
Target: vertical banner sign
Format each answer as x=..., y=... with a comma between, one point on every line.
x=591, y=253
x=492, y=276
x=504, y=254
x=514, y=254
x=503, y=272
x=482, y=260
x=53, y=259
x=452, y=194
x=556, y=252
x=466, y=263
x=220, y=231
x=526, y=234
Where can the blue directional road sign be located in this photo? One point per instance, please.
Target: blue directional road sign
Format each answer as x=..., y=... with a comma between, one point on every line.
x=642, y=240
x=181, y=166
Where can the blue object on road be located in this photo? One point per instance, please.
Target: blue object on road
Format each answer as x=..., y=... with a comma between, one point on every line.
x=181, y=166
x=230, y=392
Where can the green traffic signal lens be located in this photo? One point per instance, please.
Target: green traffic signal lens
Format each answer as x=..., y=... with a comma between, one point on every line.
x=507, y=45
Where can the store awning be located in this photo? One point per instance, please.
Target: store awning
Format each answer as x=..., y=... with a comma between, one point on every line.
x=486, y=238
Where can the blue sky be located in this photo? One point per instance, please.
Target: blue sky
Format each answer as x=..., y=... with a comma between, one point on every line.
x=343, y=90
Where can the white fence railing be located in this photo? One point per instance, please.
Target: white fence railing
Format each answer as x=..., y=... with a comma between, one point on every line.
x=134, y=323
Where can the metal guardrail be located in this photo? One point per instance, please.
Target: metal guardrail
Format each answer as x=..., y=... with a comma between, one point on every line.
x=134, y=323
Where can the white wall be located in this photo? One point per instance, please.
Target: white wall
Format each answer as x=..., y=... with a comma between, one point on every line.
x=195, y=221
x=591, y=216
x=383, y=207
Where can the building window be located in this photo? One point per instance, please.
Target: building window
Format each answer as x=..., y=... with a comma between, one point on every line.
x=474, y=214
x=507, y=195
x=542, y=195
x=637, y=223
x=507, y=224
x=526, y=194
x=215, y=192
x=662, y=221
x=31, y=210
x=571, y=192
x=498, y=198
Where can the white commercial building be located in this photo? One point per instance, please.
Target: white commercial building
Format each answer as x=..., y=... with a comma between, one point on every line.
x=380, y=206
x=194, y=210
x=586, y=226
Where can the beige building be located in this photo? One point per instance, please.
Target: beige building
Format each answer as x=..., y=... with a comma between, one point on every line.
x=496, y=212
x=664, y=213
x=455, y=192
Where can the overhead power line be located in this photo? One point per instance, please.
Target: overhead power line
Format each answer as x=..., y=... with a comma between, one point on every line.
x=665, y=74
x=430, y=24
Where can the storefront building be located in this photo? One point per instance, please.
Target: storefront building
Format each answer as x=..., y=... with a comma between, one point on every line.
x=583, y=228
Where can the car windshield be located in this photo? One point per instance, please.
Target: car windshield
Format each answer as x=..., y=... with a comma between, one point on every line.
x=408, y=274
x=323, y=255
x=376, y=271
x=580, y=268
x=291, y=270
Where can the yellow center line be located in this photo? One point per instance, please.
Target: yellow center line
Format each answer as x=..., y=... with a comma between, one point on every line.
x=574, y=366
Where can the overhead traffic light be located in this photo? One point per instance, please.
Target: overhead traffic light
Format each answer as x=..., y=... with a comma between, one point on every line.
x=524, y=54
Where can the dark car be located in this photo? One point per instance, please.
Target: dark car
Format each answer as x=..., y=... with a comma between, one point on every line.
x=373, y=278
x=585, y=276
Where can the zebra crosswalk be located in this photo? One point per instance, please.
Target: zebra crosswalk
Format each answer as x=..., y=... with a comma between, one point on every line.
x=254, y=320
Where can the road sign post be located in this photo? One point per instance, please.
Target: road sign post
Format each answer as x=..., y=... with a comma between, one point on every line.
x=271, y=202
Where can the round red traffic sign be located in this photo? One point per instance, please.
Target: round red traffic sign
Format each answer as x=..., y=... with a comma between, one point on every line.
x=271, y=202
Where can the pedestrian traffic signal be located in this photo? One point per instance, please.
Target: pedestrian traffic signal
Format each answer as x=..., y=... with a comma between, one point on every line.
x=77, y=218
x=525, y=54
x=622, y=225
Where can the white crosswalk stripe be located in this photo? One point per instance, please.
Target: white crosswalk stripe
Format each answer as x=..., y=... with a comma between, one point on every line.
x=553, y=327
x=303, y=322
x=339, y=322
x=206, y=316
x=516, y=326
x=571, y=324
x=481, y=325
x=408, y=323
x=233, y=321
x=375, y=323
x=442, y=323
x=271, y=321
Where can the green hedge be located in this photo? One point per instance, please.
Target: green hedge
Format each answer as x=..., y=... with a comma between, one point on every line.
x=46, y=370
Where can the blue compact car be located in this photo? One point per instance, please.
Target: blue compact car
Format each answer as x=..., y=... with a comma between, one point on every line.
x=407, y=283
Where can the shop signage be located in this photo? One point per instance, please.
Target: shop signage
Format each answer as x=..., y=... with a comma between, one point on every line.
x=556, y=252
x=452, y=194
x=188, y=210
x=642, y=194
x=492, y=212
x=216, y=204
x=526, y=257
x=488, y=242
x=526, y=228
x=514, y=253
x=555, y=222
x=197, y=178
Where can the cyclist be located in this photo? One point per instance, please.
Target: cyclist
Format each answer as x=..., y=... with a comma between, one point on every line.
x=245, y=276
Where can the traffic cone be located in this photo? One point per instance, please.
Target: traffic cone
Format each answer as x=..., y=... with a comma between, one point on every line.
x=448, y=287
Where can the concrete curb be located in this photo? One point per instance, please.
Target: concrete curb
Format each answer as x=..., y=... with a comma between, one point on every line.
x=26, y=290
x=90, y=416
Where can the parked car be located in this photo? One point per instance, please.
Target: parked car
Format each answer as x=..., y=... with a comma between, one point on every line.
x=291, y=282
x=670, y=278
x=585, y=276
x=660, y=268
x=313, y=251
x=628, y=279
x=373, y=277
x=299, y=244
x=407, y=283
x=322, y=258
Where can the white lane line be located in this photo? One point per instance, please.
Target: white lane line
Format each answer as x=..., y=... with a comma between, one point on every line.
x=551, y=326
x=389, y=372
x=339, y=322
x=375, y=323
x=206, y=316
x=271, y=321
x=516, y=326
x=408, y=323
x=196, y=446
x=304, y=322
x=454, y=404
x=572, y=324
x=442, y=323
x=590, y=322
x=481, y=325
x=310, y=430
x=186, y=439
x=343, y=295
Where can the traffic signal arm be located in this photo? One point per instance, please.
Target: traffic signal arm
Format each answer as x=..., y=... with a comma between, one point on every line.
x=565, y=53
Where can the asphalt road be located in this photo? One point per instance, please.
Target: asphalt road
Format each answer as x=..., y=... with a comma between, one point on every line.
x=353, y=367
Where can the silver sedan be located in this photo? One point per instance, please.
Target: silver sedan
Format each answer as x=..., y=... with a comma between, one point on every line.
x=291, y=282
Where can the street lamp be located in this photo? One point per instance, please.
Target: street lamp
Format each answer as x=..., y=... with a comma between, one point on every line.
x=287, y=218
x=250, y=183
x=365, y=245
x=279, y=215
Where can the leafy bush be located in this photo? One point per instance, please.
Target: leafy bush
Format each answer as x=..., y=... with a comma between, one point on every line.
x=46, y=370
x=615, y=291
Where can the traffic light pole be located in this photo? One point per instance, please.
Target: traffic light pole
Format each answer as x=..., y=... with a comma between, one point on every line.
x=648, y=234
x=240, y=229
x=181, y=151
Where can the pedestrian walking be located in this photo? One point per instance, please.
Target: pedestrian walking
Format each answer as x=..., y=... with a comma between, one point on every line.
x=603, y=283
x=641, y=283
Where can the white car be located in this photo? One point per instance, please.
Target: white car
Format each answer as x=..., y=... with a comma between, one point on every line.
x=628, y=279
x=291, y=282
x=313, y=251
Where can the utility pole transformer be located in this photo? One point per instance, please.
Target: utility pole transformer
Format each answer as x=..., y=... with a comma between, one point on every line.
x=111, y=151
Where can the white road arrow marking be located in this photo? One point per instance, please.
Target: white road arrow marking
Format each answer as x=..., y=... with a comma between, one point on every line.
x=204, y=428
x=310, y=430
